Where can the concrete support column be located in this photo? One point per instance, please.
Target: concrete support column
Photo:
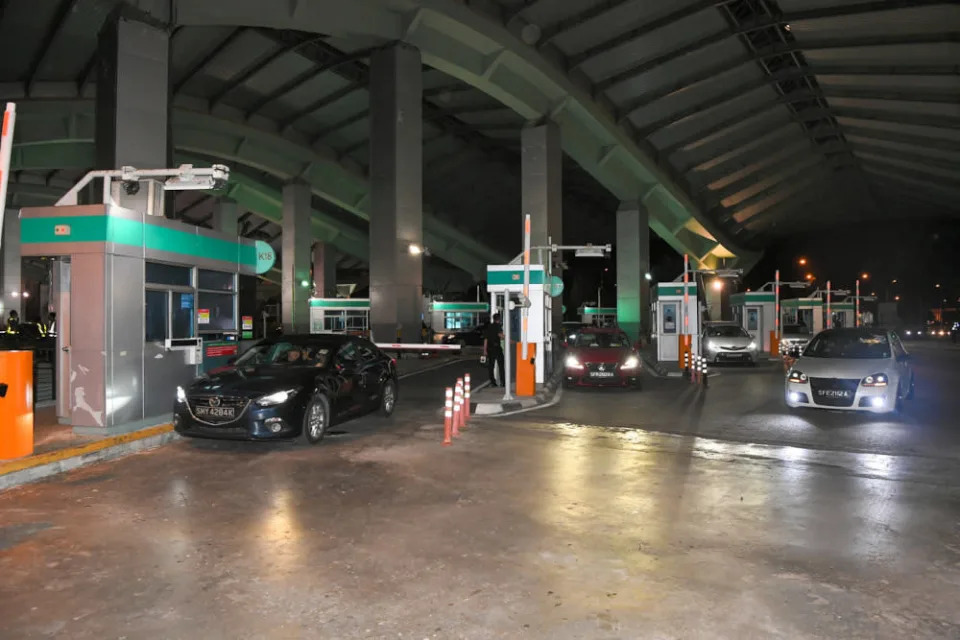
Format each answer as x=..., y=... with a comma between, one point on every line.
x=324, y=271
x=542, y=192
x=633, y=263
x=225, y=215
x=295, y=256
x=133, y=101
x=396, y=173
x=11, y=285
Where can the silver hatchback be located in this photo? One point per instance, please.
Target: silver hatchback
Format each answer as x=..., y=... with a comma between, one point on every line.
x=728, y=342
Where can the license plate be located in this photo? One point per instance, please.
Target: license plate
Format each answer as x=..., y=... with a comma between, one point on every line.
x=215, y=412
x=601, y=374
x=829, y=393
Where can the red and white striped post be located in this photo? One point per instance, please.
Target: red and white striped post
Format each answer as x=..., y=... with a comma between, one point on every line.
x=448, y=417
x=6, y=150
x=466, y=399
x=458, y=407
x=829, y=306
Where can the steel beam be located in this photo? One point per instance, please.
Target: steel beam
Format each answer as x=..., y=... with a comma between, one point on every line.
x=59, y=18
x=207, y=58
x=256, y=67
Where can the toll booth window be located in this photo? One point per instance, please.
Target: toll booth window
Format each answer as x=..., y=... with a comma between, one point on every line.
x=215, y=280
x=155, y=316
x=168, y=274
x=215, y=311
x=181, y=315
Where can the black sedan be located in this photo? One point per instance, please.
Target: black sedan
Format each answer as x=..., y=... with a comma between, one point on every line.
x=289, y=386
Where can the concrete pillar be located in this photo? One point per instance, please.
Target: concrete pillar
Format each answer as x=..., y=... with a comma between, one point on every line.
x=295, y=257
x=396, y=173
x=133, y=100
x=11, y=285
x=225, y=215
x=542, y=193
x=324, y=271
x=633, y=263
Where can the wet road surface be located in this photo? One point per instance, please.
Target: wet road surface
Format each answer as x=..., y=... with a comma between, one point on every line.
x=525, y=528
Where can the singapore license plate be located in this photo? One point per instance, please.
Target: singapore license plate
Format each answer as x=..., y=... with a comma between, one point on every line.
x=829, y=393
x=215, y=412
x=601, y=374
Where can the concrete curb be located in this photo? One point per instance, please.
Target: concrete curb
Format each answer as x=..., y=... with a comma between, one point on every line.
x=34, y=468
x=655, y=368
x=546, y=394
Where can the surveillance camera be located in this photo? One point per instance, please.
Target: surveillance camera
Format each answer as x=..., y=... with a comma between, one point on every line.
x=131, y=187
x=219, y=184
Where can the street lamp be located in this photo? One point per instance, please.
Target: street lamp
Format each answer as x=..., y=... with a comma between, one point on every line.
x=864, y=276
x=810, y=277
x=802, y=262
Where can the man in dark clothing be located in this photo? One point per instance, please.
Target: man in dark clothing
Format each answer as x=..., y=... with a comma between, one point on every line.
x=492, y=349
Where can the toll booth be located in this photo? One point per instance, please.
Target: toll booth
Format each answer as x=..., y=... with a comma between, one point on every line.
x=340, y=315
x=508, y=279
x=598, y=316
x=672, y=318
x=756, y=312
x=843, y=313
x=807, y=312
x=445, y=317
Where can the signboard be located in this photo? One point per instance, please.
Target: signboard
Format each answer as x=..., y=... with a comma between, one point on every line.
x=222, y=350
x=246, y=326
x=266, y=257
x=555, y=286
x=203, y=316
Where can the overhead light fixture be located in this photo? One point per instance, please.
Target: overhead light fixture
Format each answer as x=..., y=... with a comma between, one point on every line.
x=648, y=276
x=718, y=284
x=26, y=294
x=304, y=283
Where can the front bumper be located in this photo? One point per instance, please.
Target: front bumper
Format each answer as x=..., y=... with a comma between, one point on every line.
x=280, y=422
x=869, y=399
x=716, y=357
x=582, y=378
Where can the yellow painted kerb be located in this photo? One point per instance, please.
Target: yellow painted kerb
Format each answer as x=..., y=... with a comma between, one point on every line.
x=56, y=456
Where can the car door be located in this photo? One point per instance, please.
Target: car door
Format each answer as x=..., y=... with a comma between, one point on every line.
x=348, y=398
x=370, y=370
x=904, y=370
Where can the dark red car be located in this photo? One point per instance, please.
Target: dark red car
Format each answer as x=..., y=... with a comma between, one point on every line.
x=602, y=357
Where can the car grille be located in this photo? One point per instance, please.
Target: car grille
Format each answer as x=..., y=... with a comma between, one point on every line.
x=828, y=385
x=607, y=366
x=239, y=405
x=733, y=348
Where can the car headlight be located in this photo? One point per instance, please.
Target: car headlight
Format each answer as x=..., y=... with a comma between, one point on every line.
x=798, y=377
x=876, y=380
x=572, y=363
x=632, y=362
x=181, y=395
x=276, y=398
x=909, y=333
x=711, y=346
x=752, y=346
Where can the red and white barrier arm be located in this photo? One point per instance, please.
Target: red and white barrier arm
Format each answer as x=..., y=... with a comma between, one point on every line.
x=418, y=347
x=6, y=149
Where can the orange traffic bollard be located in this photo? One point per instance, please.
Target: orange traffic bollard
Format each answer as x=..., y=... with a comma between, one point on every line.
x=466, y=399
x=456, y=415
x=448, y=418
x=16, y=404
x=458, y=396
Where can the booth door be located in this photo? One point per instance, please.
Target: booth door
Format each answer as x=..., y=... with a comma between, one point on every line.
x=753, y=322
x=668, y=327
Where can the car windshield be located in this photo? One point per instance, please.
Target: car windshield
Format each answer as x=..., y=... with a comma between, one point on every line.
x=795, y=328
x=727, y=331
x=857, y=345
x=602, y=340
x=287, y=353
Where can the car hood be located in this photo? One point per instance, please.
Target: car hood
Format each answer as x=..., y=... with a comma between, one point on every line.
x=600, y=355
x=255, y=381
x=734, y=341
x=841, y=368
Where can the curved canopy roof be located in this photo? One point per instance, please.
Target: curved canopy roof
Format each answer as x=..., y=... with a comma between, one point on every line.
x=732, y=120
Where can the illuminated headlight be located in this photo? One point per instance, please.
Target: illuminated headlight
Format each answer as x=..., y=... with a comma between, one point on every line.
x=572, y=363
x=752, y=346
x=794, y=396
x=711, y=346
x=798, y=377
x=631, y=362
x=181, y=395
x=879, y=401
x=276, y=398
x=876, y=380
x=909, y=333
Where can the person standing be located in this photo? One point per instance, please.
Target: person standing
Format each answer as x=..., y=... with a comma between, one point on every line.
x=493, y=350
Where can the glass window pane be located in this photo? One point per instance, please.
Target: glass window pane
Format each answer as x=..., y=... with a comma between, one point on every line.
x=215, y=280
x=155, y=316
x=159, y=273
x=182, y=316
x=219, y=312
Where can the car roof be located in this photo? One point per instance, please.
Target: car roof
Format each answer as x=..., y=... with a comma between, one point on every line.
x=333, y=339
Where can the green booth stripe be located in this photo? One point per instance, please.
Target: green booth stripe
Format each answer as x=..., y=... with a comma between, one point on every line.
x=461, y=306
x=136, y=234
x=340, y=303
x=599, y=310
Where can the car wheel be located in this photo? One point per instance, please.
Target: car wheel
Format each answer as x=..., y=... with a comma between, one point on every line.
x=388, y=398
x=316, y=419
